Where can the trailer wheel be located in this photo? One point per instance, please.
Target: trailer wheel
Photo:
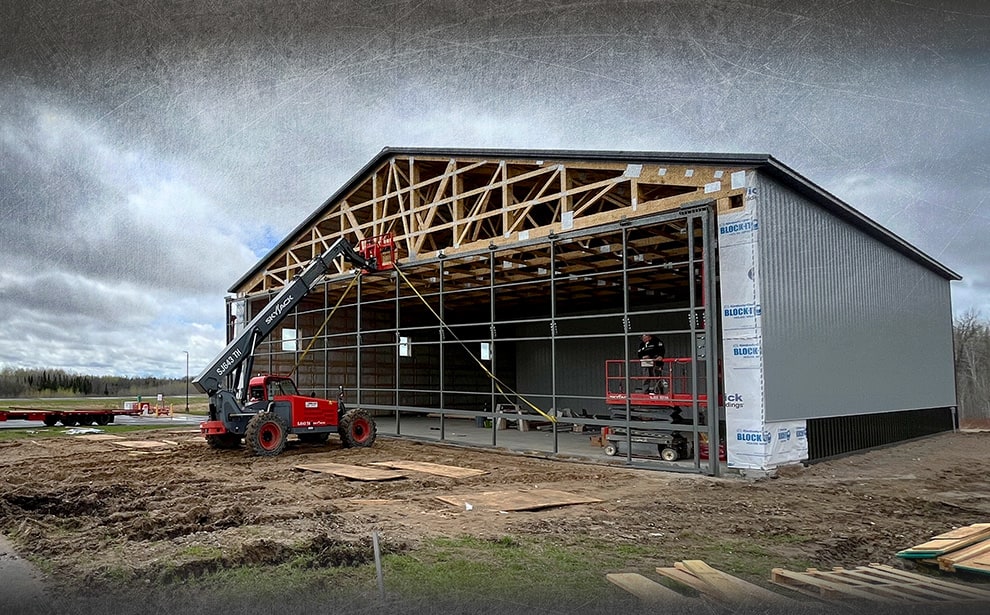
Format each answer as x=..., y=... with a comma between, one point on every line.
x=610, y=450
x=69, y=421
x=102, y=419
x=669, y=454
x=266, y=434
x=357, y=428
x=224, y=441
x=50, y=420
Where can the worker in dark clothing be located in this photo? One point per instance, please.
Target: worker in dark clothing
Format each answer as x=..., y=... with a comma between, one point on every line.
x=650, y=355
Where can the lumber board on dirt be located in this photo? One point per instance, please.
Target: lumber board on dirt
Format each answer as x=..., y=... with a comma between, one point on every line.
x=979, y=563
x=966, y=556
x=721, y=586
x=647, y=589
x=947, y=542
x=947, y=589
x=876, y=583
x=532, y=499
x=431, y=468
x=734, y=588
x=686, y=578
x=352, y=472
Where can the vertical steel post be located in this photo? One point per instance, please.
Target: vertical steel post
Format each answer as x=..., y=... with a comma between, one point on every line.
x=443, y=421
x=692, y=326
x=553, y=340
x=709, y=233
x=625, y=343
x=398, y=334
x=491, y=317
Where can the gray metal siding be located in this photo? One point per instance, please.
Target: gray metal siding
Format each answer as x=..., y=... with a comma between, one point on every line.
x=849, y=325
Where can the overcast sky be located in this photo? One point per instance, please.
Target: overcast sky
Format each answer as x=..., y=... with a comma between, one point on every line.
x=152, y=152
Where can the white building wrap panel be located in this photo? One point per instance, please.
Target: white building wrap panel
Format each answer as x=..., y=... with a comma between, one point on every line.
x=751, y=442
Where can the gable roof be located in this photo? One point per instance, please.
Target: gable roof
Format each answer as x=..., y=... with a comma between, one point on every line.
x=761, y=162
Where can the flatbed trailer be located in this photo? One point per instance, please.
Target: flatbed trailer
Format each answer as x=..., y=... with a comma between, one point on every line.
x=68, y=417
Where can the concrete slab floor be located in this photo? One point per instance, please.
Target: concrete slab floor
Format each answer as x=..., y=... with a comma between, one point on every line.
x=465, y=431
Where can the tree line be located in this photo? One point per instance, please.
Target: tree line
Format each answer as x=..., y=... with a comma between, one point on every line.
x=24, y=383
x=971, y=337
x=971, y=341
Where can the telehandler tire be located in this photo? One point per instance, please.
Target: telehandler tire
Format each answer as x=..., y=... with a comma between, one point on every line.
x=266, y=434
x=357, y=428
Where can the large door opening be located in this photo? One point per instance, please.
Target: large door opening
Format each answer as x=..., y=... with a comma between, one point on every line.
x=533, y=347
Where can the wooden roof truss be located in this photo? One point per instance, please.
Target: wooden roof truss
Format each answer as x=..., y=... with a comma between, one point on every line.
x=464, y=204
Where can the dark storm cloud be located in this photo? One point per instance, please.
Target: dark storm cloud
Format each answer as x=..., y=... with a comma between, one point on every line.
x=156, y=148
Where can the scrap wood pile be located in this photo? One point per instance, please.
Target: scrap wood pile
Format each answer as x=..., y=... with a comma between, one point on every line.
x=965, y=548
x=710, y=584
x=876, y=583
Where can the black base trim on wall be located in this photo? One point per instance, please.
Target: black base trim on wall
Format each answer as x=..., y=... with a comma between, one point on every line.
x=845, y=434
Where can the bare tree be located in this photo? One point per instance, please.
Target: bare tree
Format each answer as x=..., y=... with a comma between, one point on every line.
x=971, y=335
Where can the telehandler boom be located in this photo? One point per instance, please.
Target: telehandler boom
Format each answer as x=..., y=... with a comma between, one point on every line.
x=265, y=409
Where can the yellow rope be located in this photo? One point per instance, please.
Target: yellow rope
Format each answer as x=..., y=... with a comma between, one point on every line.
x=317, y=335
x=498, y=383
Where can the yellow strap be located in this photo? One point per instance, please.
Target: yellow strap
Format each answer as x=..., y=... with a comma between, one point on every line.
x=498, y=383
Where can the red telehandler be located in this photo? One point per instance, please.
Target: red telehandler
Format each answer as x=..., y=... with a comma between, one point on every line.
x=263, y=410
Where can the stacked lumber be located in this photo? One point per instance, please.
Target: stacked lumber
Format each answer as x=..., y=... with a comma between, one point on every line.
x=720, y=586
x=965, y=548
x=877, y=583
x=713, y=586
x=648, y=590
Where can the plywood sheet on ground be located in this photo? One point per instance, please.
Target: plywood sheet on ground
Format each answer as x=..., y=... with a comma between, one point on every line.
x=431, y=468
x=100, y=436
x=949, y=541
x=532, y=499
x=877, y=583
x=140, y=443
x=352, y=472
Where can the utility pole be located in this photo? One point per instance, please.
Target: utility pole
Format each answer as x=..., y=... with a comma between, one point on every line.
x=187, y=380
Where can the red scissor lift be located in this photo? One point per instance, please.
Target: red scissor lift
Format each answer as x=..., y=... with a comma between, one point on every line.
x=660, y=412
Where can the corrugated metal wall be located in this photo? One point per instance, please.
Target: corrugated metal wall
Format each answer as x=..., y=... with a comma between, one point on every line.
x=850, y=326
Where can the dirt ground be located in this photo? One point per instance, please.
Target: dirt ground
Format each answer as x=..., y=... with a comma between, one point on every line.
x=89, y=509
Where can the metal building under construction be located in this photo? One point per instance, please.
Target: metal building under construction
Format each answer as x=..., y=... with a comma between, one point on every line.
x=794, y=327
